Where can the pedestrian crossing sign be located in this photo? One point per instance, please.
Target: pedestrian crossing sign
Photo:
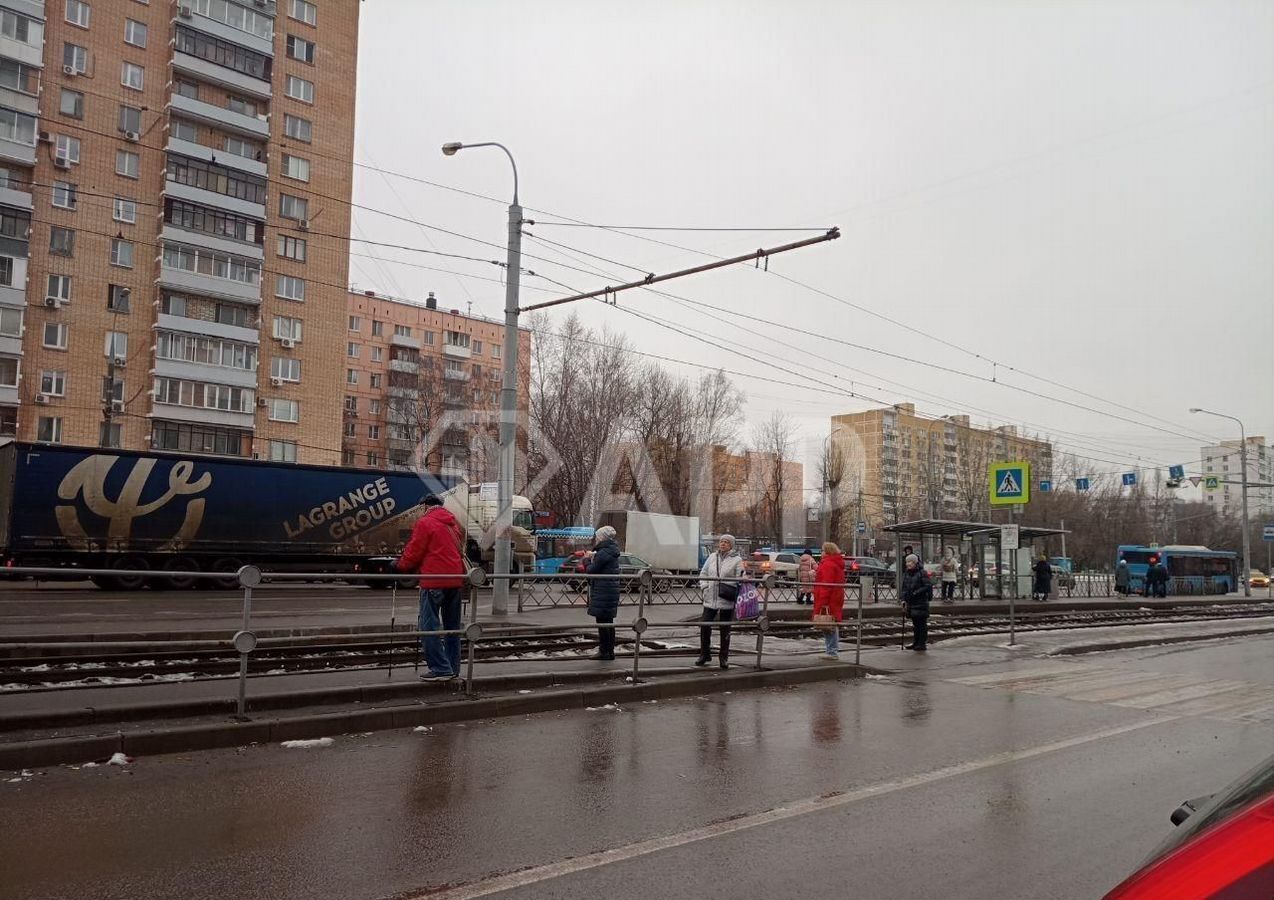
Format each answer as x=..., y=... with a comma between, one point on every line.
x=1212, y=482
x=1010, y=483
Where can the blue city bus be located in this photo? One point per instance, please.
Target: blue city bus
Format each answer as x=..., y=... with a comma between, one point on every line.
x=554, y=545
x=1192, y=570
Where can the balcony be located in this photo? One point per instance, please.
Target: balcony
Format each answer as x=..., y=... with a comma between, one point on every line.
x=212, y=241
x=193, y=371
x=185, y=281
x=455, y=375
x=232, y=418
x=166, y=322
x=22, y=154
x=403, y=340
x=204, y=70
x=224, y=32
x=256, y=127
x=400, y=443
x=456, y=351
x=406, y=366
x=205, y=197
x=20, y=100
x=404, y=393
x=17, y=196
x=223, y=158
x=23, y=52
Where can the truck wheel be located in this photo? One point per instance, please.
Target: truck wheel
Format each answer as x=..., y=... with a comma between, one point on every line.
x=229, y=581
x=177, y=582
x=130, y=582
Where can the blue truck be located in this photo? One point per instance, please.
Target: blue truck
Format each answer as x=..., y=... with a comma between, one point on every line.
x=96, y=508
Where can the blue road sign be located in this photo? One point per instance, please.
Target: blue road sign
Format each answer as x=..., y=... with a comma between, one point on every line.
x=1177, y=472
x=1130, y=478
x=1081, y=484
x=1010, y=482
x=1045, y=487
x=862, y=527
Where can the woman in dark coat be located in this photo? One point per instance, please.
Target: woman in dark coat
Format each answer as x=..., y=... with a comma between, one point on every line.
x=603, y=593
x=1043, y=578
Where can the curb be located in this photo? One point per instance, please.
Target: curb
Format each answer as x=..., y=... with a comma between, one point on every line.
x=1133, y=643
x=184, y=738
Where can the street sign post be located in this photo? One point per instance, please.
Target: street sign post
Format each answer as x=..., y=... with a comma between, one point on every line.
x=862, y=528
x=1010, y=483
x=1212, y=482
x=1010, y=537
x=1267, y=533
x=1045, y=486
x=1196, y=479
x=1177, y=472
x=1081, y=484
x=1130, y=479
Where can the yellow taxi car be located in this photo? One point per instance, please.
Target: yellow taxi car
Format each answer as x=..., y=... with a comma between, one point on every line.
x=1257, y=578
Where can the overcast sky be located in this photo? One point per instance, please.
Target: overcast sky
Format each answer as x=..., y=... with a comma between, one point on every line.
x=1081, y=190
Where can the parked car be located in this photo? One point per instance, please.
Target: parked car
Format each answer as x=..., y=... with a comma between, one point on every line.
x=1257, y=578
x=629, y=565
x=1063, y=578
x=785, y=566
x=858, y=566
x=1224, y=846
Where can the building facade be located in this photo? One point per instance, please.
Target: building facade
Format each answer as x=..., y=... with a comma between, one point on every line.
x=897, y=466
x=1224, y=459
x=417, y=376
x=175, y=223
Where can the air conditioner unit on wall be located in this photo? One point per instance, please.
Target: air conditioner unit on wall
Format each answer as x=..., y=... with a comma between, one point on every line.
x=53, y=302
x=185, y=12
x=61, y=162
x=287, y=343
x=132, y=136
x=70, y=70
x=41, y=399
x=262, y=402
x=119, y=362
x=276, y=382
x=117, y=406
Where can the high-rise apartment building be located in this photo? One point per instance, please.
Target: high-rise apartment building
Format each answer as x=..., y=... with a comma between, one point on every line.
x=174, y=223
x=415, y=375
x=1224, y=460
x=903, y=466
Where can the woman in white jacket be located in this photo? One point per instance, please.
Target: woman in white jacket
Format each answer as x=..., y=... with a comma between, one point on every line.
x=724, y=563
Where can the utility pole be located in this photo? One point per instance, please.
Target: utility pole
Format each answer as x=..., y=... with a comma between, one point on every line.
x=1247, y=537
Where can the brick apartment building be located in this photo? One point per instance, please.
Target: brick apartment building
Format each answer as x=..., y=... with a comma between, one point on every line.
x=174, y=222
x=419, y=375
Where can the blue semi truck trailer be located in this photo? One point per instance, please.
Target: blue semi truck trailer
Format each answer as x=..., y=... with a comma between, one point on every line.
x=96, y=508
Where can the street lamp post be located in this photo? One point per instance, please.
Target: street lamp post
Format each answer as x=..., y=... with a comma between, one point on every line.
x=508, y=391
x=1247, y=539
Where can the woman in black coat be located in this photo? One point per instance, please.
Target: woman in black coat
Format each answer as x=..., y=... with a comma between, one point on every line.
x=603, y=593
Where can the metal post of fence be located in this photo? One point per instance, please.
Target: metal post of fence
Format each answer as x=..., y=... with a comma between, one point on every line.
x=244, y=640
x=473, y=633
x=521, y=581
x=393, y=617
x=645, y=579
x=763, y=622
x=865, y=583
x=1012, y=619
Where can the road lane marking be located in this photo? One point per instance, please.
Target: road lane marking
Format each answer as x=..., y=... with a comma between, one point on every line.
x=513, y=880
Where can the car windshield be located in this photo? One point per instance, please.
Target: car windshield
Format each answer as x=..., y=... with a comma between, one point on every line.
x=1252, y=786
x=630, y=560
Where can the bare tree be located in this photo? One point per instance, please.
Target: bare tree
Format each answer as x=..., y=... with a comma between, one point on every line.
x=772, y=442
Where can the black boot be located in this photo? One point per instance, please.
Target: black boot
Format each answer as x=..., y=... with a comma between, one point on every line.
x=703, y=660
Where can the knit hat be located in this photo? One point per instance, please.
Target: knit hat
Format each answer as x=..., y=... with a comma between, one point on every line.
x=605, y=533
x=912, y=558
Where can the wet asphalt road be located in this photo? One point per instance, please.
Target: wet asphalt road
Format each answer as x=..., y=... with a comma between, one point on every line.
x=923, y=796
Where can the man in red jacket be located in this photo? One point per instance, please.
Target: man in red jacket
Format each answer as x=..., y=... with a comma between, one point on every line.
x=434, y=551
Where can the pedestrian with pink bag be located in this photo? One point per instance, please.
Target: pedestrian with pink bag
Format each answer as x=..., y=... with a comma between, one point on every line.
x=829, y=598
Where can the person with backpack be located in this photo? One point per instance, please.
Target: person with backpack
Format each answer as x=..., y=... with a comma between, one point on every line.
x=915, y=593
x=433, y=551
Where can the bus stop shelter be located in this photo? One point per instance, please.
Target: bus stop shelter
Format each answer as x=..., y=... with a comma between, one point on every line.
x=976, y=543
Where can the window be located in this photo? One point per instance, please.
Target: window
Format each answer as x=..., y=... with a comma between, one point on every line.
x=127, y=163
x=236, y=15
x=429, y=338
x=186, y=88
x=111, y=435
x=222, y=53
x=300, y=48
x=67, y=148
x=296, y=167
x=76, y=57
x=300, y=89
x=376, y=380
x=53, y=383
x=56, y=335
x=297, y=128
x=373, y=459
x=61, y=243
x=184, y=131
x=202, y=395
x=113, y=389
x=351, y=350
x=18, y=77
x=351, y=404
x=287, y=328
x=134, y=33
x=284, y=410
x=71, y=104
x=289, y=287
x=355, y=323
x=212, y=263
x=378, y=328
x=20, y=28
x=49, y=430
x=219, y=179
x=348, y=457
x=194, y=217
x=283, y=451
x=6, y=271
x=292, y=248
x=60, y=287
x=402, y=330
x=244, y=148
x=285, y=368
x=373, y=432
x=303, y=11
x=495, y=351
x=208, y=351
x=373, y=407
x=10, y=322
x=241, y=105
x=116, y=345
x=132, y=76
x=124, y=210
x=117, y=298
x=350, y=430
x=65, y=195
x=18, y=127
x=78, y=13
x=122, y=253
x=199, y=438
x=351, y=376
x=8, y=378
x=378, y=354
x=293, y=207
x=477, y=347
x=130, y=119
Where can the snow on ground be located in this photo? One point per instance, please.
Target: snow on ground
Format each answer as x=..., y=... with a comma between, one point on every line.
x=306, y=745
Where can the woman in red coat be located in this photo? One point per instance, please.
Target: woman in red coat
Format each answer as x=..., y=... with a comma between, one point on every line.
x=829, y=595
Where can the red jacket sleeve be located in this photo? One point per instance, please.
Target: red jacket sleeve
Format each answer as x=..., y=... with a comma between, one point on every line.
x=416, y=547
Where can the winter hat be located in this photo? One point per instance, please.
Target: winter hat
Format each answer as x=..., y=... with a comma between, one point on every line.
x=605, y=533
x=912, y=558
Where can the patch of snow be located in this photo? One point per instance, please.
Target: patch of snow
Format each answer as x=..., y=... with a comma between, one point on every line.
x=876, y=677
x=524, y=691
x=305, y=745
x=1011, y=646
x=422, y=729
x=610, y=706
x=119, y=759
x=14, y=780
x=89, y=765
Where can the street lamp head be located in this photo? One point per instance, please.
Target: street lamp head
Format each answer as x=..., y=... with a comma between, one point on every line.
x=450, y=149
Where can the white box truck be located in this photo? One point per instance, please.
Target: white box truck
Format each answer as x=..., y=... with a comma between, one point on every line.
x=660, y=540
